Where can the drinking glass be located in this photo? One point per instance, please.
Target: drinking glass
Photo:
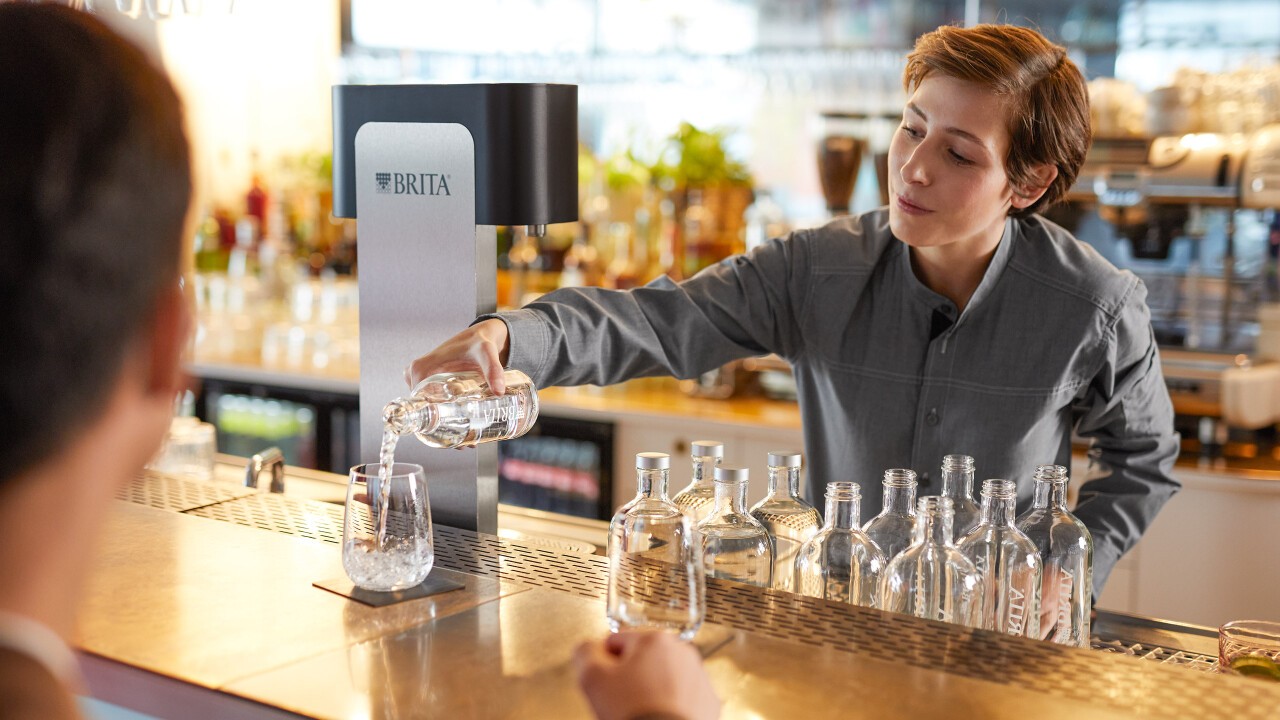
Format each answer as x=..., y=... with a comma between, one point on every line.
x=1250, y=648
x=386, y=534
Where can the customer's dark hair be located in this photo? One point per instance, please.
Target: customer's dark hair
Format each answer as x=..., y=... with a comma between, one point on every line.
x=1044, y=93
x=95, y=183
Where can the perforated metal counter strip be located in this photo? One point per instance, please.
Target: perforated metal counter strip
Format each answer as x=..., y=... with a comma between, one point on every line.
x=1050, y=669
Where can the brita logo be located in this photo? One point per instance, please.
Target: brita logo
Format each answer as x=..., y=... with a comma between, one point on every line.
x=394, y=183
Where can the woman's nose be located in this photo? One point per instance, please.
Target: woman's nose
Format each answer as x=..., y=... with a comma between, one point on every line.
x=914, y=171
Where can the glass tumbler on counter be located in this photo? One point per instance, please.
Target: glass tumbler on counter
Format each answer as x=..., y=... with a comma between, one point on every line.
x=699, y=496
x=789, y=520
x=894, y=527
x=735, y=546
x=1008, y=562
x=840, y=562
x=1250, y=648
x=386, y=533
x=655, y=558
x=1066, y=559
x=931, y=578
x=957, y=484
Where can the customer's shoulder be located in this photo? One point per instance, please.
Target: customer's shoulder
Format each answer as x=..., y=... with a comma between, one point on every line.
x=1056, y=260
x=849, y=243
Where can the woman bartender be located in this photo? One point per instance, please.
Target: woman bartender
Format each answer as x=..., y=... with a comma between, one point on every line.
x=955, y=320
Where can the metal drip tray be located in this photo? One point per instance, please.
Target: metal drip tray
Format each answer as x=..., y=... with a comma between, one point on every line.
x=1046, y=668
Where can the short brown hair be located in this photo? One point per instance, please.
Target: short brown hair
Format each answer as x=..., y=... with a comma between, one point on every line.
x=1044, y=91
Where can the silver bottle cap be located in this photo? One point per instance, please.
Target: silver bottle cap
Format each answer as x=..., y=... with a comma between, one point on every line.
x=784, y=458
x=731, y=474
x=707, y=448
x=652, y=461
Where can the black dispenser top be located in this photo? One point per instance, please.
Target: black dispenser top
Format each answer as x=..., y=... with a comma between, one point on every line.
x=526, y=143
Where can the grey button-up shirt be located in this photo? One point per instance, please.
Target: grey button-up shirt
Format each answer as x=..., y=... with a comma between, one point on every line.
x=1055, y=337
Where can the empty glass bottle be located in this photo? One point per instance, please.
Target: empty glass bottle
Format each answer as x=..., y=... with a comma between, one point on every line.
x=840, y=562
x=1008, y=562
x=655, y=558
x=931, y=579
x=735, y=546
x=957, y=484
x=1066, y=556
x=699, y=496
x=894, y=527
x=456, y=409
x=788, y=518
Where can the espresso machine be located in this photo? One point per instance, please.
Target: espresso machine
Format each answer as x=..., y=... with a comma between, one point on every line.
x=1152, y=190
x=429, y=171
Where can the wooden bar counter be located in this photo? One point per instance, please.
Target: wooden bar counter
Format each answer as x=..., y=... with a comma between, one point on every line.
x=197, y=611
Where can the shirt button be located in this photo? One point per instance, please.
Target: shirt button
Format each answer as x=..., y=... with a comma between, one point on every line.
x=932, y=417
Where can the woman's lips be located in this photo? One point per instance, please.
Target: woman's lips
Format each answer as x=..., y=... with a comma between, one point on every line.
x=911, y=208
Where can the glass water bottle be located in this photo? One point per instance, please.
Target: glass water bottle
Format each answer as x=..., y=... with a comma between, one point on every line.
x=788, y=518
x=1066, y=556
x=1008, y=562
x=894, y=527
x=840, y=562
x=655, y=558
x=455, y=409
x=699, y=496
x=735, y=546
x=931, y=579
x=957, y=484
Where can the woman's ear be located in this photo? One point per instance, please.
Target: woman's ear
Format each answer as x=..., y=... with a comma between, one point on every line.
x=1040, y=177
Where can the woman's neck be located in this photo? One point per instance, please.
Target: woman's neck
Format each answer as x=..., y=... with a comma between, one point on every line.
x=955, y=270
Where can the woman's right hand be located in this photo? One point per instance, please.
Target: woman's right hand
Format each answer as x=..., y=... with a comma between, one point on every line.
x=482, y=347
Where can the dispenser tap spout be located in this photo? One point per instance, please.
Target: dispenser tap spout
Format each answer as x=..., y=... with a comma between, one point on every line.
x=536, y=231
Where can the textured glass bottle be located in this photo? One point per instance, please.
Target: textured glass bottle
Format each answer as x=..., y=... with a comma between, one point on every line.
x=735, y=546
x=1066, y=556
x=700, y=496
x=788, y=518
x=655, y=558
x=455, y=409
x=957, y=484
x=1008, y=562
x=931, y=579
x=894, y=527
x=840, y=562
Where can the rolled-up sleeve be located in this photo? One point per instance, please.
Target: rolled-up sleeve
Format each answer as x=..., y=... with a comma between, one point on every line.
x=743, y=306
x=1129, y=417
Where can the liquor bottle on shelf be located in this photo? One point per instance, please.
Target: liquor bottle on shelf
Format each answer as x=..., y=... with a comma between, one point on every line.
x=1008, y=562
x=699, y=498
x=894, y=527
x=957, y=484
x=655, y=559
x=840, y=562
x=788, y=518
x=735, y=546
x=931, y=578
x=1066, y=557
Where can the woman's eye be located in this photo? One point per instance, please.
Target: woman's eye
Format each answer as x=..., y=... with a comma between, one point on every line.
x=912, y=132
x=960, y=159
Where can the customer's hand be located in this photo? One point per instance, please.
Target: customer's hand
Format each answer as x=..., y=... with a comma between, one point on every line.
x=482, y=347
x=638, y=674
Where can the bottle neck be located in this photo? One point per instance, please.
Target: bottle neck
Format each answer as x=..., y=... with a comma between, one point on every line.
x=731, y=497
x=784, y=481
x=933, y=526
x=1050, y=494
x=899, y=499
x=957, y=483
x=704, y=470
x=409, y=415
x=843, y=512
x=998, y=510
x=651, y=484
